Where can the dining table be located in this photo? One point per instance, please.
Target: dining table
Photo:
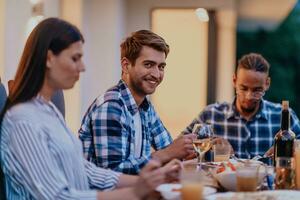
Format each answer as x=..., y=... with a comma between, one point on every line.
x=213, y=190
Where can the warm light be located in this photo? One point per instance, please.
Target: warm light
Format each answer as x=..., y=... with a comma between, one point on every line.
x=202, y=14
x=35, y=1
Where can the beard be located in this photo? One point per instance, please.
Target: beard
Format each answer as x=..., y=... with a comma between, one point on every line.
x=248, y=110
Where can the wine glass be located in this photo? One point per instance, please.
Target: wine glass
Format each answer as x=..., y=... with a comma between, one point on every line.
x=203, y=143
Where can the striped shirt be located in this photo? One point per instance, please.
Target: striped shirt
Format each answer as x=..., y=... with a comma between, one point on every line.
x=248, y=138
x=108, y=131
x=42, y=159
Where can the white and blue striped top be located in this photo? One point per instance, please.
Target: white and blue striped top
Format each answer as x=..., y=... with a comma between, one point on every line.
x=42, y=159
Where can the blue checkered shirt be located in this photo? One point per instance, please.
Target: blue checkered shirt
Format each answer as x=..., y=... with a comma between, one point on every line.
x=108, y=134
x=248, y=138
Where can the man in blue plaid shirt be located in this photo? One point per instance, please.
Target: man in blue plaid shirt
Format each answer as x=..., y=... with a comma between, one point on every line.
x=121, y=126
x=249, y=123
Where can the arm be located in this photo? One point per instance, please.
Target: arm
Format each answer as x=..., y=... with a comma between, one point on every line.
x=166, y=150
x=33, y=165
x=86, y=137
x=295, y=124
x=150, y=177
x=110, y=132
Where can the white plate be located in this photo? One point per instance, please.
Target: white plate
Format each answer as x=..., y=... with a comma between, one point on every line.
x=262, y=195
x=168, y=193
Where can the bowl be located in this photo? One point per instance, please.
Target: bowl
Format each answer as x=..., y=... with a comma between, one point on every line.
x=171, y=191
x=227, y=179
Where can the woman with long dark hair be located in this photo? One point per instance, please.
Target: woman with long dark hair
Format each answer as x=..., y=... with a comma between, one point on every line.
x=40, y=157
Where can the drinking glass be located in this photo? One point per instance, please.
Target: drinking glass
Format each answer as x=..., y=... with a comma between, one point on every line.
x=285, y=173
x=222, y=151
x=247, y=177
x=192, y=185
x=297, y=160
x=203, y=143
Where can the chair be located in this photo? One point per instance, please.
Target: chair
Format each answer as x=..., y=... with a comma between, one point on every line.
x=59, y=101
x=3, y=96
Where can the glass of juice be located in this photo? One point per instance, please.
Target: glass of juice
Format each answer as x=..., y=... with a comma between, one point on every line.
x=222, y=151
x=297, y=162
x=192, y=185
x=247, y=177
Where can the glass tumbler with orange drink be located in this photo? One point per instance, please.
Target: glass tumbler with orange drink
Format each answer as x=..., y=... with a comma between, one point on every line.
x=297, y=161
x=247, y=177
x=222, y=151
x=192, y=186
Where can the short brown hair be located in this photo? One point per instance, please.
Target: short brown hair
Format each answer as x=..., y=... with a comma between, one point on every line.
x=132, y=46
x=253, y=61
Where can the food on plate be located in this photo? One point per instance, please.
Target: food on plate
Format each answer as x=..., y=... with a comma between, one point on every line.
x=226, y=166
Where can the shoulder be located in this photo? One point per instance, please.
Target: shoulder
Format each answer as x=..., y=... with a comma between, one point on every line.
x=23, y=119
x=107, y=106
x=271, y=106
x=224, y=106
x=28, y=111
x=110, y=99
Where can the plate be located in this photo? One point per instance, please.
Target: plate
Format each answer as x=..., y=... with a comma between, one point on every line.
x=168, y=191
x=261, y=195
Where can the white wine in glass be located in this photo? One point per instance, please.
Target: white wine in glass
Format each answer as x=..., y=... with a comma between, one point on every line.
x=201, y=147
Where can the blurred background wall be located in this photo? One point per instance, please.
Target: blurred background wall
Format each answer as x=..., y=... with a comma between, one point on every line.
x=202, y=58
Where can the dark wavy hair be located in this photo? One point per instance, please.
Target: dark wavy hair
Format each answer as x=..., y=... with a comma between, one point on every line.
x=50, y=34
x=253, y=61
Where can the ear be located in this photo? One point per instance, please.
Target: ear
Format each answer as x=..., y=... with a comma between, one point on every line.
x=49, y=60
x=268, y=83
x=234, y=79
x=125, y=65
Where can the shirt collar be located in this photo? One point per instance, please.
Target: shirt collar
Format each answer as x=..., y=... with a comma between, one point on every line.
x=129, y=100
x=261, y=113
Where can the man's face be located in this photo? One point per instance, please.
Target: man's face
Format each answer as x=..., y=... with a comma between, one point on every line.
x=147, y=73
x=250, y=86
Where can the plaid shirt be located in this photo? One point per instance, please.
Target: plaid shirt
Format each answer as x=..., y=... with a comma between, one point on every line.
x=248, y=138
x=107, y=131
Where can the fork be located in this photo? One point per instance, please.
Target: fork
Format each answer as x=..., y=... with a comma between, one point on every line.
x=259, y=157
x=237, y=159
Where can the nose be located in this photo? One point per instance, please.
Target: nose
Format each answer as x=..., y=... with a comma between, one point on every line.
x=156, y=72
x=81, y=67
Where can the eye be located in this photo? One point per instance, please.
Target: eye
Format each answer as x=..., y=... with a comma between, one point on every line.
x=148, y=65
x=76, y=58
x=258, y=90
x=243, y=89
x=161, y=67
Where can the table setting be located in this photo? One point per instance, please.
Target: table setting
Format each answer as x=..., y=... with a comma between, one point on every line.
x=229, y=177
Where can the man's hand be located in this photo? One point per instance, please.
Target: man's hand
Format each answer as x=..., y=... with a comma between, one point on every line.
x=270, y=152
x=182, y=146
x=172, y=170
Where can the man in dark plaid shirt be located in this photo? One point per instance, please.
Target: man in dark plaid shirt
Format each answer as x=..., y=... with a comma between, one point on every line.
x=249, y=123
x=121, y=126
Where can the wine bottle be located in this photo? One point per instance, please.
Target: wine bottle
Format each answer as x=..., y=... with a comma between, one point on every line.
x=284, y=138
